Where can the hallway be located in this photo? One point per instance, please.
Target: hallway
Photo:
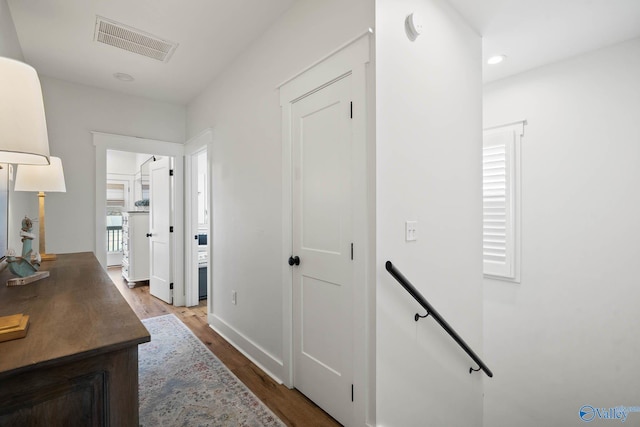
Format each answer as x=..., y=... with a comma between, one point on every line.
x=293, y=408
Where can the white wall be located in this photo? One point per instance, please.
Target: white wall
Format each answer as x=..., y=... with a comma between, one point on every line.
x=567, y=335
x=10, y=48
x=73, y=111
x=122, y=166
x=141, y=158
x=9, y=45
x=122, y=162
x=428, y=97
x=242, y=106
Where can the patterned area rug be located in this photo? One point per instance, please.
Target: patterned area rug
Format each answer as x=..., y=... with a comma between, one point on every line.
x=183, y=384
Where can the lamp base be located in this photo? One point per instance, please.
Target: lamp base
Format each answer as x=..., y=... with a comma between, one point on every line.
x=48, y=257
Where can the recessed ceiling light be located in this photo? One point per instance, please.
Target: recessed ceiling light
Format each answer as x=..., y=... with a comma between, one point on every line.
x=124, y=77
x=496, y=59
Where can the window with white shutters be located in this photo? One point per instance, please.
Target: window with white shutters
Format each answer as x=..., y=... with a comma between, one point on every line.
x=501, y=201
x=116, y=195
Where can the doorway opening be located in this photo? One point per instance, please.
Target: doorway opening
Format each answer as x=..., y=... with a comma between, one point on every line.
x=202, y=210
x=127, y=219
x=198, y=221
x=200, y=227
x=125, y=190
x=167, y=239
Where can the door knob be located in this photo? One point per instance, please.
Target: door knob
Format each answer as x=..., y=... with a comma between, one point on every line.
x=294, y=260
x=148, y=234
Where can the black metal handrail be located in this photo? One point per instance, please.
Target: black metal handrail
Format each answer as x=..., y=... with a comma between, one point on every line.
x=436, y=316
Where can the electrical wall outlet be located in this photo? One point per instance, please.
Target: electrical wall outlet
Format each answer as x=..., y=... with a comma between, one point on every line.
x=234, y=297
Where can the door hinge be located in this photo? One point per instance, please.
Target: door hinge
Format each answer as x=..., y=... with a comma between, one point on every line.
x=170, y=172
x=352, y=252
x=351, y=113
x=171, y=229
x=171, y=286
x=352, y=392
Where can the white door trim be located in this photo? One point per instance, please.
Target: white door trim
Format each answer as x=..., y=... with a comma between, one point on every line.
x=369, y=31
x=107, y=141
x=351, y=58
x=202, y=141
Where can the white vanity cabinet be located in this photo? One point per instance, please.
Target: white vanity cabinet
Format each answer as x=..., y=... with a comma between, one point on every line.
x=135, y=246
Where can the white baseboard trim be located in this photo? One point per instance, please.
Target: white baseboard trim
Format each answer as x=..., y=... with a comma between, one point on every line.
x=260, y=357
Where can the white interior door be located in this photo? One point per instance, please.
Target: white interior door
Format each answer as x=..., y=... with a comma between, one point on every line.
x=159, y=224
x=322, y=239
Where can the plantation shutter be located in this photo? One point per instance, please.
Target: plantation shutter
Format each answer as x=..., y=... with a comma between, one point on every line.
x=499, y=200
x=115, y=195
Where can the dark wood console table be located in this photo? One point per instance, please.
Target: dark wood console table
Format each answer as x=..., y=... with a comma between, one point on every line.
x=78, y=364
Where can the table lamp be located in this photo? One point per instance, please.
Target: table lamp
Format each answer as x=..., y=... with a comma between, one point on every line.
x=23, y=128
x=23, y=140
x=41, y=178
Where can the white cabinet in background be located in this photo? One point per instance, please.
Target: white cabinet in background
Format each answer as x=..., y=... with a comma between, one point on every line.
x=135, y=247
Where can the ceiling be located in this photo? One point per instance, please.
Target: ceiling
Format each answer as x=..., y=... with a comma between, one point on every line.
x=57, y=36
x=532, y=33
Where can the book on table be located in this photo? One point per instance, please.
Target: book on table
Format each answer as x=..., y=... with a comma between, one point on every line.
x=13, y=327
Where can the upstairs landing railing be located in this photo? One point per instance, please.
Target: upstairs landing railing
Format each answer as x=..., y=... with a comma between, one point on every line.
x=114, y=238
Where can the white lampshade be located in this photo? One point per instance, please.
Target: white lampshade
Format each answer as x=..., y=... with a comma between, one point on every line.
x=23, y=128
x=45, y=178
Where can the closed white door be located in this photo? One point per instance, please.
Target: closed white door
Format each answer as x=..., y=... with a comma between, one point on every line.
x=322, y=240
x=159, y=229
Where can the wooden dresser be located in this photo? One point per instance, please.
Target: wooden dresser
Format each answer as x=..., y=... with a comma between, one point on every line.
x=78, y=364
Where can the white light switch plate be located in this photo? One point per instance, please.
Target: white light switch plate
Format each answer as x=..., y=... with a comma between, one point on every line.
x=411, y=230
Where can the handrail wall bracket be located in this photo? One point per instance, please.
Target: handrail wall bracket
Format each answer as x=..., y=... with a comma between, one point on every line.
x=436, y=316
x=418, y=316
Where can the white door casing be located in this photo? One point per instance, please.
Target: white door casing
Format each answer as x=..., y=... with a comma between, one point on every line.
x=350, y=62
x=159, y=226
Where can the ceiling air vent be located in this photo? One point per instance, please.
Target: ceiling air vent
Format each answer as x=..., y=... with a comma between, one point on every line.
x=131, y=39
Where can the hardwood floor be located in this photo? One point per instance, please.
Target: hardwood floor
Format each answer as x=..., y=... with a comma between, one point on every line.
x=293, y=408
